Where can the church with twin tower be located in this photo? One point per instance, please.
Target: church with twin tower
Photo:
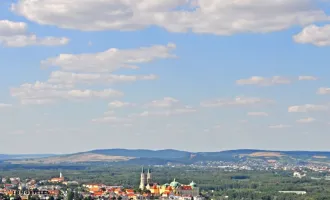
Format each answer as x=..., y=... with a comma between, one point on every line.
x=146, y=179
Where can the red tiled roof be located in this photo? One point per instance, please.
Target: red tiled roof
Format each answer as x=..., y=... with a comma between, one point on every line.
x=186, y=187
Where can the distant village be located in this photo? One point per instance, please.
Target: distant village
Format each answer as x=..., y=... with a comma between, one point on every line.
x=54, y=188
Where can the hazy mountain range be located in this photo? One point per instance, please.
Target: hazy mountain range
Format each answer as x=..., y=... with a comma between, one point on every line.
x=142, y=156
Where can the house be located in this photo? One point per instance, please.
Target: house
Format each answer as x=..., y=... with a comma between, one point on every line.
x=57, y=180
x=299, y=174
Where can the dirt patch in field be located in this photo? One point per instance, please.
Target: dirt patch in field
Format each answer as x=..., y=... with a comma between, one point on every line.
x=320, y=157
x=266, y=154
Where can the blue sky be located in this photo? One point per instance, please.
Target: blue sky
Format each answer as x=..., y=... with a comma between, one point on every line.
x=206, y=79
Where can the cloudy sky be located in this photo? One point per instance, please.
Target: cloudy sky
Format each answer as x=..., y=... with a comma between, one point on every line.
x=198, y=75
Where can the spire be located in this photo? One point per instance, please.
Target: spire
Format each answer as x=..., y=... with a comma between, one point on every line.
x=60, y=174
x=142, y=170
x=148, y=170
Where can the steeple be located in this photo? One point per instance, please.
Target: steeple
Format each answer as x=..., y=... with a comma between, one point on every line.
x=149, y=177
x=143, y=179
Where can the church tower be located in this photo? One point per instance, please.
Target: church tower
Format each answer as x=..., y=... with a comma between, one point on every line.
x=149, y=177
x=143, y=179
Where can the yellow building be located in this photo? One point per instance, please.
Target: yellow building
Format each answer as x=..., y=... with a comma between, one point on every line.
x=174, y=188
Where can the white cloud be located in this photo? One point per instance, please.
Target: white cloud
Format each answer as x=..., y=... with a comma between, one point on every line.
x=316, y=35
x=224, y=17
x=323, y=91
x=263, y=81
x=279, y=126
x=170, y=112
x=167, y=106
x=44, y=93
x=111, y=120
x=108, y=61
x=60, y=77
x=238, y=101
x=44, y=86
x=308, y=108
x=306, y=120
x=4, y=105
x=166, y=102
x=109, y=113
x=15, y=34
x=307, y=78
x=37, y=101
x=66, y=84
x=9, y=28
x=120, y=104
x=257, y=114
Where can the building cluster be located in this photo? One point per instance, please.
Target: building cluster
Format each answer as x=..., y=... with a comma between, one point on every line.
x=24, y=188
x=56, y=187
x=172, y=189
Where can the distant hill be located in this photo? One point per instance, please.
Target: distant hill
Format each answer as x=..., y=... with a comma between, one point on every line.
x=73, y=158
x=23, y=156
x=143, y=153
x=160, y=157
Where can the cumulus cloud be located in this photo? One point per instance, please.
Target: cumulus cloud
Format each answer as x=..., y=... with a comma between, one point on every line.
x=44, y=93
x=154, y=110
x=306, y=120
x=120, y=104
x=89, y=69
x=323, y=91
x=166, y=102
x=307, y=78
x=308, y=108
x=264, y=81
x=111, y=120
x=238, y=101
x=316, y=35
x=61, y=77
x=275, y=80
x=170, y=112
x=167, y=106
x=264, y=114
x=15, y=34
x=9, y=28
x=224, y=17
x=109, y=60
x=279, y=126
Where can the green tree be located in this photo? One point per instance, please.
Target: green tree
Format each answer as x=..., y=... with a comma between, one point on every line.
x=70, y=195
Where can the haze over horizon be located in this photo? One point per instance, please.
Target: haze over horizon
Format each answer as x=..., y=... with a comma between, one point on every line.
x=195, y=75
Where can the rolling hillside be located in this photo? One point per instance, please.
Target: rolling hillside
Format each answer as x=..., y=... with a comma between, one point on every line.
x=126, y=156
x=23, y=156
x=73, y=158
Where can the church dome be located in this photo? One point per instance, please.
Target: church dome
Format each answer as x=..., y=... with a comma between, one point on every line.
x=193, y=184
x=174, y=183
